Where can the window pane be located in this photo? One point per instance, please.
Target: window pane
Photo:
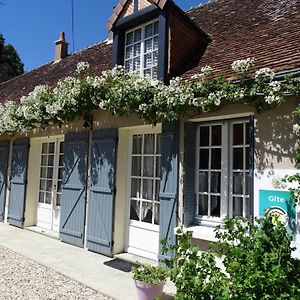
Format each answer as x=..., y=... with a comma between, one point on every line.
x=203, y=205
x=216, y=159
x=155, y=43
x=51, y=147
x=48, y=198
x=148, y=45
x=61, y=147
x=247, y=133
x=203, y=181
x=137, y=144
x=158, y=143
x=148, y=189
x=50, y=160
x=58, y=199
x=157, y=186
x=238, y=134
x=157, y=173
x=238, y=158
x=137, y=49
x=61, y=161
x=41, y=197
x=154, y=73
x=156, y=27
x=237, y=206
x=149, y=30
x=149, y=166
x=50, y=173
x=204, y=136
x=148, y=60
x=42, y=185
x=44, y=148
x=135, y=210
x=60, y=173
x=136, y=166
x=44, y=160
x=129, y=38
x=238, y=183
x=136, y=64
x=247, y=158
x=215, y=182
x=149, y=143
x=248, y=178
x=147, y=211
x=128, y=66
x=216, y=135
x=43, y=172
x=137, y=35
x=59, y=185
x=156, y=213
x=129, y=52
x=147, y=73
x=49, y=186
x=215, y=205
x=155, y=57
x=203, y=159
x=135, y=188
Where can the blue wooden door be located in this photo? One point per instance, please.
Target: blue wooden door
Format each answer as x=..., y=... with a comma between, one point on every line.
x=18, y=182
x=4, y=151
x=74, y=188
x=168, y=185
x=102, y=191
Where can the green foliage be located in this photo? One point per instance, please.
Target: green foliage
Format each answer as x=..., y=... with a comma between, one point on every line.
x=9, y=54
x=256, y=264
x=150, y=274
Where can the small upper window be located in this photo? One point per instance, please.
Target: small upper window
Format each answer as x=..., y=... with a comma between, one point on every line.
x=141, y=50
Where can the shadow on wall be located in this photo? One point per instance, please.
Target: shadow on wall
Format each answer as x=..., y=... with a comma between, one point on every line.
x=275, y=142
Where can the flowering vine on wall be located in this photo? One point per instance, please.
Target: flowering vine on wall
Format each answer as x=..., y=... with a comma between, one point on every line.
x=153, y=101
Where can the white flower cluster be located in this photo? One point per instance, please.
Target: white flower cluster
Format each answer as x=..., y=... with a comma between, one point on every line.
x=296, y=129
x=242, y=66
x=216, y=97
x=205, y=72
x=265, y=73
x=8, y=122
x=82, y=67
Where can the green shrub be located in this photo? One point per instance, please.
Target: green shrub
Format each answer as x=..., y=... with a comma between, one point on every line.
x=257, y=264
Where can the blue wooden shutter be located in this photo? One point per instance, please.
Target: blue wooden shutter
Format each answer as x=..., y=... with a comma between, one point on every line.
x=102, y=191
x=251, y=167
x=18, y=182
x=168, y=185
x=4, y=151
x=74, y=188
x=189, y=173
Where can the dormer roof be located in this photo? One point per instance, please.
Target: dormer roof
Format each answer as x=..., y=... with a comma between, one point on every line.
x=123, y=5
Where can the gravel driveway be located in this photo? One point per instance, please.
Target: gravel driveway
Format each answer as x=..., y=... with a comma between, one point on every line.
x=22, y=278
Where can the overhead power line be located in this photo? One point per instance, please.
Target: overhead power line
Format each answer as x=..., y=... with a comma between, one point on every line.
x=72, y=18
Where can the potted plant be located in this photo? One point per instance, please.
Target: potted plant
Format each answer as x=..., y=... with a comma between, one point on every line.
x=149, y=281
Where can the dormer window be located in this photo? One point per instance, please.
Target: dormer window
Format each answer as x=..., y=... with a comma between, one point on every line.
x=141, y=50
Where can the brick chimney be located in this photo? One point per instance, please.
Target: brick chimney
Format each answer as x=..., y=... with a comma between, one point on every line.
x=61, y=47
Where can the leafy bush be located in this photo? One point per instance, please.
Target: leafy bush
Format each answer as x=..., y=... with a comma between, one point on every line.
x=150, y=274
x=256, y=264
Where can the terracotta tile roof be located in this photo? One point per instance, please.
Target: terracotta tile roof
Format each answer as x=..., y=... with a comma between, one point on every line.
x=98, y=56
x=268, y=30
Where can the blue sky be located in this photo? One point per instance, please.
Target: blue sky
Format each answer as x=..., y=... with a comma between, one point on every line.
x=32, y=26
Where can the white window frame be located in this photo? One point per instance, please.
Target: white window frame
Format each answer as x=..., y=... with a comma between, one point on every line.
x=226, y=192
x=142, y=131
x=142, y=53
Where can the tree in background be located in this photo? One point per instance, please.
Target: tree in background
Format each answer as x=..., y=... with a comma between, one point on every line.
x=10, y=62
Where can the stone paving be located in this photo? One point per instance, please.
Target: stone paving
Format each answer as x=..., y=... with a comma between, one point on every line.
x=22, y=278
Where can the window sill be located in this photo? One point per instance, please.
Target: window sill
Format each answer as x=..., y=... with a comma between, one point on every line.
x=201, y=232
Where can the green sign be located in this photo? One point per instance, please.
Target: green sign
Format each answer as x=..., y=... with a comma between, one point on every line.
x=278, y=204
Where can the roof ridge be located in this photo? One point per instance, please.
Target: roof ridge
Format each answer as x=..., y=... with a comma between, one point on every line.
x=200, y=5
